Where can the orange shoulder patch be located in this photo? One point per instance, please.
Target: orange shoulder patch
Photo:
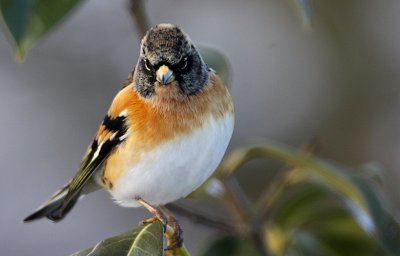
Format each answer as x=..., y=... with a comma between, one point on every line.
x=124, y=99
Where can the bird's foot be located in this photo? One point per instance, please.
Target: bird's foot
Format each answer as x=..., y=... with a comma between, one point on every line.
x=158, y=214
x=172, y=229
x=174, y=233
x=149, y=220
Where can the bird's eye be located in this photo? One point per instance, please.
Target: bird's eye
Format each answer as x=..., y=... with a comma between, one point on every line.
x=183, y=64
x=147, y=65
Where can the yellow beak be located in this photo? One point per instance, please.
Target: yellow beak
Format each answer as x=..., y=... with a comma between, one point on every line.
x=164, y=75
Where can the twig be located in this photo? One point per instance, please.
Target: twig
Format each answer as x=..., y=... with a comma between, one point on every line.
x=312, y=147
x=139, y=16
x=201, y=219
x=271, y=193
x=237, y=199
x=259, y=242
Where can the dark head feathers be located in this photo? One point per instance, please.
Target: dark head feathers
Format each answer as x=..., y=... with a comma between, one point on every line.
x=167, y=44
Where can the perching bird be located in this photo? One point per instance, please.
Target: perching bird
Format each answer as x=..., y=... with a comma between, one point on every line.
x=164, y=134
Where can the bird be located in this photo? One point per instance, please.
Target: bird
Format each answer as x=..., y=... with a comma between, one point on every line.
x=165, y=133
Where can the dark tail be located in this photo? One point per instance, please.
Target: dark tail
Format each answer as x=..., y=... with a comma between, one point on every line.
x=54, y=209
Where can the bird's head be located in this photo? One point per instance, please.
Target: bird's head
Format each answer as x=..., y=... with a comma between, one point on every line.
x=169, y=64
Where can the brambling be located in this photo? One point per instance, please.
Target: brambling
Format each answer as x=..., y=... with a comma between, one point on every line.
x=165, y=133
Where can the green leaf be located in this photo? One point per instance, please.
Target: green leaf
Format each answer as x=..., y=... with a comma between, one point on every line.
x=217, y=61
x=83, y=252
x=316, y=169
x=355, y=194
x=231, y=245
x=26, y=21
x=309, y=220
x=303, y=8
x=145, y=240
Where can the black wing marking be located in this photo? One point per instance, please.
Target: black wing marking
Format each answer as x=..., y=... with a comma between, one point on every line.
x=95, y=156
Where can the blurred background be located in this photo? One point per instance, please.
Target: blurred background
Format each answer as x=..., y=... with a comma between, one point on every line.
x=338, y=81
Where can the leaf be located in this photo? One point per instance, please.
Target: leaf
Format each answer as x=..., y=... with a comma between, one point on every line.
x=145, y=240
x=303, y=8
x=311, y=221
x=217, y=61
x=358, y=198
x=372, y=171
x=83, y=252
x=317, y=169
x=231, y=245
x=211, y=186
x=356, y=195
x=26, y=21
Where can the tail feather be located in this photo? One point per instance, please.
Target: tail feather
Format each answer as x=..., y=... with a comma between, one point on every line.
x=57, y=207
x=54, y=209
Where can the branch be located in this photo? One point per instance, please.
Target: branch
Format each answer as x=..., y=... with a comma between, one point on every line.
x=237, y=199
x=201, y=219
x=139, y=16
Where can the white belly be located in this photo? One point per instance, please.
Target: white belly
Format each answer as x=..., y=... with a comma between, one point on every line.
x=176, y=168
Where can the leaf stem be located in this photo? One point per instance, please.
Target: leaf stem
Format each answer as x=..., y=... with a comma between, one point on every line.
x=284, y=178
x=271, y=193
x=237, y=200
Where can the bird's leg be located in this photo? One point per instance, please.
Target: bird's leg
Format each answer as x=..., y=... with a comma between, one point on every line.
x=172, y=229
x=158, y=214
x=174, y=233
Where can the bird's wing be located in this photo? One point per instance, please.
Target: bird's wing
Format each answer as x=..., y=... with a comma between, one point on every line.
x=112, y=132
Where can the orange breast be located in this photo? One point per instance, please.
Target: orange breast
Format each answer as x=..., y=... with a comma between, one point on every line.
x=161, y=119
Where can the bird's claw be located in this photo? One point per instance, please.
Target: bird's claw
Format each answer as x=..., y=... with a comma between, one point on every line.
x=174, y=234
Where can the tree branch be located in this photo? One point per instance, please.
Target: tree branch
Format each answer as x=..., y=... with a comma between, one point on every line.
x=139, y=16
x=201, y=219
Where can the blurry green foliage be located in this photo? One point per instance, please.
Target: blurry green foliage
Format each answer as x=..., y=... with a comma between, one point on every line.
x=316, y=206
x=231, y=245
x=303, y=8
x=26, y=21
